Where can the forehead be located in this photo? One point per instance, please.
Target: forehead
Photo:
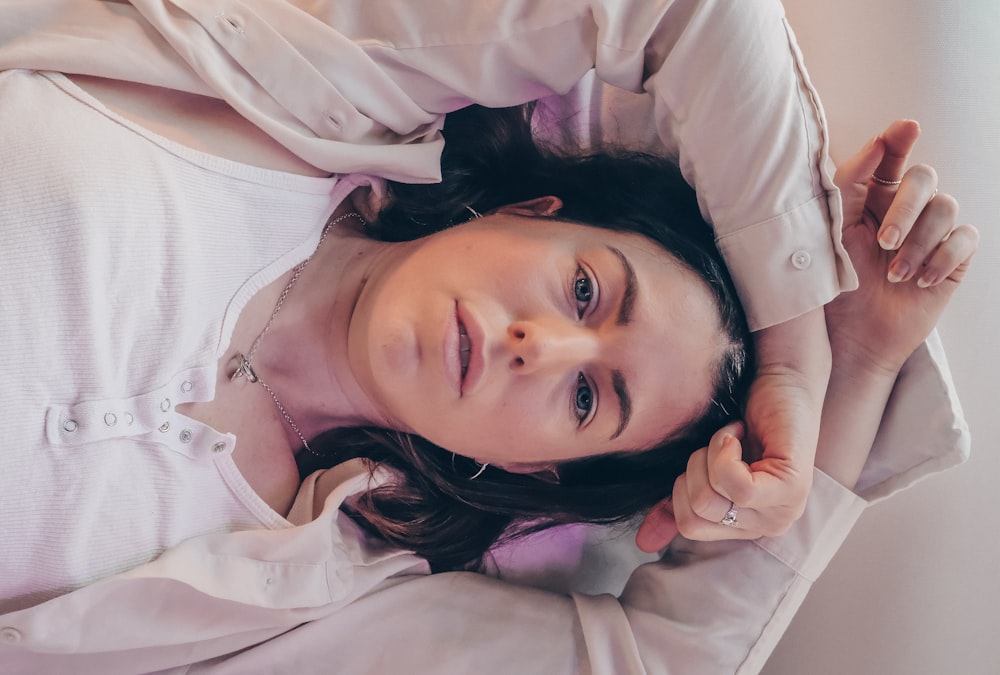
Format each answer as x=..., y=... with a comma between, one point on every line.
x=670, y=351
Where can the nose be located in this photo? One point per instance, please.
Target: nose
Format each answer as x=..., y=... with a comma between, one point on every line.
x=550, y=344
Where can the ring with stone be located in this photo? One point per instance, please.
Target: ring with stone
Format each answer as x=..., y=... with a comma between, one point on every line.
x=730, y=518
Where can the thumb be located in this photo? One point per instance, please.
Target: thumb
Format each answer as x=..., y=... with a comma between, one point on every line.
x=852, y=178
x=658, y=528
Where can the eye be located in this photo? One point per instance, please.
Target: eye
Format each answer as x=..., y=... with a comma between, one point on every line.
x=583, y=291
x=583, y=399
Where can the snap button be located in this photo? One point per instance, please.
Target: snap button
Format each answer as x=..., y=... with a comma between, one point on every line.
x=801, y=260
x=219, y=447
x=165, y=405
x=186, y=436
x=129, y=418
x=110, y=419
x=187, y=386
x=10, y=635
x=70, y=426
x=165, y=427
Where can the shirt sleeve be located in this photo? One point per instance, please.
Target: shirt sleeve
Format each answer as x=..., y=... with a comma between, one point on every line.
x=361, y=87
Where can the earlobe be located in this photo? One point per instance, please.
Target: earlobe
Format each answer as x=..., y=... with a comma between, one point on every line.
x=540, y=206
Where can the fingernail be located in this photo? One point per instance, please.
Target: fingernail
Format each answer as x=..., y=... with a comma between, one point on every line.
x=888, y=238
x=898, y=270
x=927, y=280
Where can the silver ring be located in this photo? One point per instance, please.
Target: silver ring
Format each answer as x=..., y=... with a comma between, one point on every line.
x=884, y=181
x=729, y=519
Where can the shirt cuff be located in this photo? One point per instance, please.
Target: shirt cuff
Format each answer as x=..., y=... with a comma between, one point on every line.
x=786, y=266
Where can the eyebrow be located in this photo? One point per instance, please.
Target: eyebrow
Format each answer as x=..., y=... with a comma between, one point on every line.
x=623, y=319
x=624, y=402
x=630, y=291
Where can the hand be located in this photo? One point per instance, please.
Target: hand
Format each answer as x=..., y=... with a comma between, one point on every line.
x=905, y=247
x=766, y=470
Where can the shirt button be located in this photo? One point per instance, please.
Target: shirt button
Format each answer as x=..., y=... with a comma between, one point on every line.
x=10, y=635
x=219, y=447
x=70, y=426
x=186, y=436
x=165, y=405
x=129, y=418
x=110, y=419
x=801, y=260
x=187, y=386
x=165, y=427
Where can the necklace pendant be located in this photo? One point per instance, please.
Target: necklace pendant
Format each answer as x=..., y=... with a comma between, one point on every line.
x=243, y=369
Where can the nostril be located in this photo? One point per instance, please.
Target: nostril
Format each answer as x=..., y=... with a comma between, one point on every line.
x=518, y=361
x=518, y=333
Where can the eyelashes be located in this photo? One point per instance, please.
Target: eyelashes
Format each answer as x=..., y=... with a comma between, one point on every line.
x=583, y=291
x=583, y=399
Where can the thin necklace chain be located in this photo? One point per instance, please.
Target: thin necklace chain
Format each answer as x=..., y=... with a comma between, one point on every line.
x=244, y=366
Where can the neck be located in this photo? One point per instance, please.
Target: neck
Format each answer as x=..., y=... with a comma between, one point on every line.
x=303, y=356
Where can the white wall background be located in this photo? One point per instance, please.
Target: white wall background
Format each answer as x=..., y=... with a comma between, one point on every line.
x=916, y=588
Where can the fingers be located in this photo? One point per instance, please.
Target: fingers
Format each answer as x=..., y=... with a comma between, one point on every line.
x=658, y=528
x=853, y=179
x=898, y=140
x=951, y=258
x=717, y=480
x=917, y=187
x=884, y=157
x=927, y=222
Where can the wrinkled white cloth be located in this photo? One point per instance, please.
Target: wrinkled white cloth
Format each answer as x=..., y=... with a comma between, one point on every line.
x=240, y=602
x=361, y=87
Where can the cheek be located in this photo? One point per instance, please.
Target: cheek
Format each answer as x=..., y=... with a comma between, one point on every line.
x=505, y=431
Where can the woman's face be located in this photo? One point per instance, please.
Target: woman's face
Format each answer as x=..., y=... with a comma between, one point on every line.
x=524, y=341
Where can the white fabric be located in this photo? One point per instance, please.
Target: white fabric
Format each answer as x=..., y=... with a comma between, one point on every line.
x=359, y=87
x=705, y=608
x=127, y=325
x=215, y=595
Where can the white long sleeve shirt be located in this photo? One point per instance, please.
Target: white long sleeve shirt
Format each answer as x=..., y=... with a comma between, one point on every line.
x=361, y=87
x=209, y=599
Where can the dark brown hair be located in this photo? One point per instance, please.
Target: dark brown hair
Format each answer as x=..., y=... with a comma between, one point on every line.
x=491, y=160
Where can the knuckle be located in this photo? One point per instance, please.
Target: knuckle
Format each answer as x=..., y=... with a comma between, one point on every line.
x=686, y=525
x=776, y=530
x=742, y=494
x=923, y=172
x=700, y=503
x=903, y=212
x=945, y=206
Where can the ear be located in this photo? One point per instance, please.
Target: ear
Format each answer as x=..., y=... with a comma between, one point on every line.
x=540, y=206
x=546, y=472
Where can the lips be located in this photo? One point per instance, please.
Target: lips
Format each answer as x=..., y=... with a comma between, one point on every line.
x=471, y=350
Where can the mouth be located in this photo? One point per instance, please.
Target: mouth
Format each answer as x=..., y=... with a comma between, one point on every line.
x=471, y=346
x=464, y=349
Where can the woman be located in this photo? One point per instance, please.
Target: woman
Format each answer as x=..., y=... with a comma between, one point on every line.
x=726, y=444
x=520, y=340
x=576, y=287
x=353, y=89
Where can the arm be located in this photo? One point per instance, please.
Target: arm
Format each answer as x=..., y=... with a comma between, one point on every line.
x=872, y=332
x=361, y=87
x=875, y=329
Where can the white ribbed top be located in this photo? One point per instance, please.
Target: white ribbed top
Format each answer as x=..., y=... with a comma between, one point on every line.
x=125, y=260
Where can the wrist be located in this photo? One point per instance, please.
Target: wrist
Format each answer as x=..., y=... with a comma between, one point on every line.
x=798, y=353
x=862, y=359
